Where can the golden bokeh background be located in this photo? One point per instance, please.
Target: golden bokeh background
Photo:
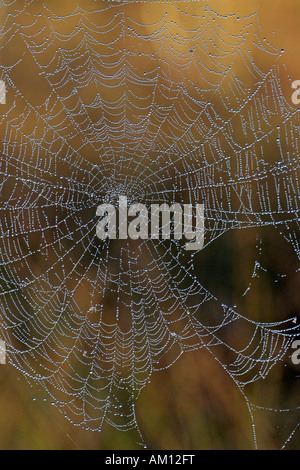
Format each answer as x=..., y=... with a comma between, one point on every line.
x=193, y=404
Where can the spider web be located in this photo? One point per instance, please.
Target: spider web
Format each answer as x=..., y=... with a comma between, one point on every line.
x=166, y=102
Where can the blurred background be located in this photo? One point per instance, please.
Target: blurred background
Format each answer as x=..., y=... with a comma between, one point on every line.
x=193, y=404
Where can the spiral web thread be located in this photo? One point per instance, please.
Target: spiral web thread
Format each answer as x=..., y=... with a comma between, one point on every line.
x=102, y=102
